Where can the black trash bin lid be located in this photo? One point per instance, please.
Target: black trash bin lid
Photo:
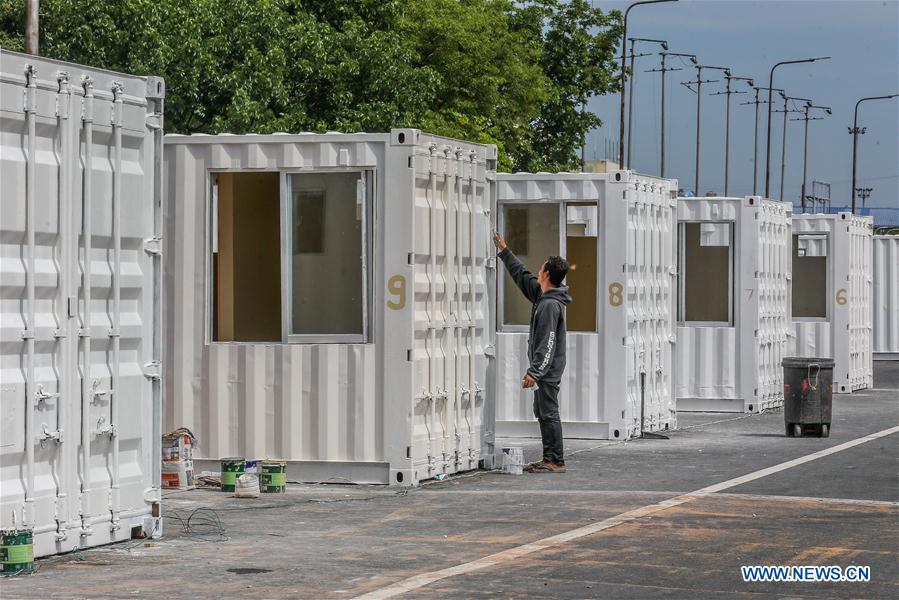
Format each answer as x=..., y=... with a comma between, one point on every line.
x=804, y=362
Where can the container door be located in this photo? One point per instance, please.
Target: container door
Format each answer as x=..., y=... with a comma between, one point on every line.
x=35, y=248
x=452, y=253
x=80, y=400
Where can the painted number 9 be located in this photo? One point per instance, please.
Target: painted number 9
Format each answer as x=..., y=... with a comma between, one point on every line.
x=396, y=286
x=841, y=296
x=615, y=297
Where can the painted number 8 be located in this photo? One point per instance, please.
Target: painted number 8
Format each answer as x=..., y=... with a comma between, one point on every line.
x=396, y=285
x=615, y=297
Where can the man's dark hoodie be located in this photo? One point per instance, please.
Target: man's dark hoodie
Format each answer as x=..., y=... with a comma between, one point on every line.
x=546, y=342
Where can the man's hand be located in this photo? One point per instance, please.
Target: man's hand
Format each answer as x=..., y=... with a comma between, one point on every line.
x=528, y=381
x=499, y=241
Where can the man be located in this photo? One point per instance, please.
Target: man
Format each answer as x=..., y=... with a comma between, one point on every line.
x=546, y=348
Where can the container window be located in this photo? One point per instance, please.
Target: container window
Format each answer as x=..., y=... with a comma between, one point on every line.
x=581, y=252
x=288, y=263
x=246, y=258
x=810, y=276
x=532, y=232
x=326, y=262
x=706, y=272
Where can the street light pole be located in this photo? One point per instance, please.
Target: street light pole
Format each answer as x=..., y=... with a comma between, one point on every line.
x=855, y=131
x=783, y=152
x=621, y=91
x=807, y=118
x=630, y=101
x=864, y=193
x=770, y=86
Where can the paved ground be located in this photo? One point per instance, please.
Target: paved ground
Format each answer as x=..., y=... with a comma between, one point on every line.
x=629, y=520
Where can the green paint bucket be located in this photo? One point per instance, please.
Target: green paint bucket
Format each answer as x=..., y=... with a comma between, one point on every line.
x=232, y=468
x=16, y=551
x=272, y=476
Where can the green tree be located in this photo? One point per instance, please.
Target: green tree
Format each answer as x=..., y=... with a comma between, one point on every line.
x=578, y=56
x=497, y=71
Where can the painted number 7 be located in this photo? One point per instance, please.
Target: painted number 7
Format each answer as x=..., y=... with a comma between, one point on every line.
x=396, y=286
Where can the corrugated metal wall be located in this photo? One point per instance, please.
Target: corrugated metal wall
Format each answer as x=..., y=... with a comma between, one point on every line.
x=80, y=327
x=600, y=392
x=885, y=304
x=846, y=333
x=407, y=406
x=736, y=368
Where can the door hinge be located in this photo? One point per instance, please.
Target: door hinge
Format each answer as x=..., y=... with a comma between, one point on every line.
x=490, y=263
x=153, y=245
x=154, y=121
x=490, y=351
x=151, y=370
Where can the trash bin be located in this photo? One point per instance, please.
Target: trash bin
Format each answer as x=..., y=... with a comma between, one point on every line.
x=808, y=395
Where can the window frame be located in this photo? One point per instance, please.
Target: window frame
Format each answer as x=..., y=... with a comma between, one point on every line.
x=501, y=205
x=682, y=274
x=368, y=190
x=828, y=308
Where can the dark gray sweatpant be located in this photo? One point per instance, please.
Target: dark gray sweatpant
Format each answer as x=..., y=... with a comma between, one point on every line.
x=546, y=409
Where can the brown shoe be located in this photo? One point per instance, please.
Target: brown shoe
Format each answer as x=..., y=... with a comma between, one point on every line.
x=546, y=467
x=536, y=463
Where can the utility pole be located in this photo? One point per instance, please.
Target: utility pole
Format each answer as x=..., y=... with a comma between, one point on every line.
x=854, y=130
x=699, y=81
x=32, y=26
x=664, y=70
x=807, y=118
x=630, y=100
x=755, y=153
x=783, y=152
x=728, y=93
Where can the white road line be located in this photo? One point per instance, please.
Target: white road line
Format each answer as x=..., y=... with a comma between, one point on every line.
x=818, y=499
x=424, y=579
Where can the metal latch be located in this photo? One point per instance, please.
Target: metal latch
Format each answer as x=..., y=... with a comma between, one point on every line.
x=46, y=434
x=153, y=121
x=152, y=370
x=96, y=391
x=490, y=351
x=490, y=263
x=41, y=395
x=153, y=245
x=109, y=429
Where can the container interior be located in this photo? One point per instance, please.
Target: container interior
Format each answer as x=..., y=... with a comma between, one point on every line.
x=706, y=272
x=810, y=261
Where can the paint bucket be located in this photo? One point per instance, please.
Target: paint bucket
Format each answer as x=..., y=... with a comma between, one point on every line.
x=232, y=468
x=513, y=460
x=272, y=476
x=16, y=552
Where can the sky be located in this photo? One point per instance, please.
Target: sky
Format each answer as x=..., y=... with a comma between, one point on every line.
x=750, y=36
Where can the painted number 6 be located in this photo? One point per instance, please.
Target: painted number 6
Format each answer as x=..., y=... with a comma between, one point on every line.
x=396, y=286
x=841, y=296
x=615, y=297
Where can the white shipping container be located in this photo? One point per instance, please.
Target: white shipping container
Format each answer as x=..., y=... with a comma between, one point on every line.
x=832, y=287
x=885, y=300
x=617, y=231
x=734, y=303
x=80, y=223
x=330, y=302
